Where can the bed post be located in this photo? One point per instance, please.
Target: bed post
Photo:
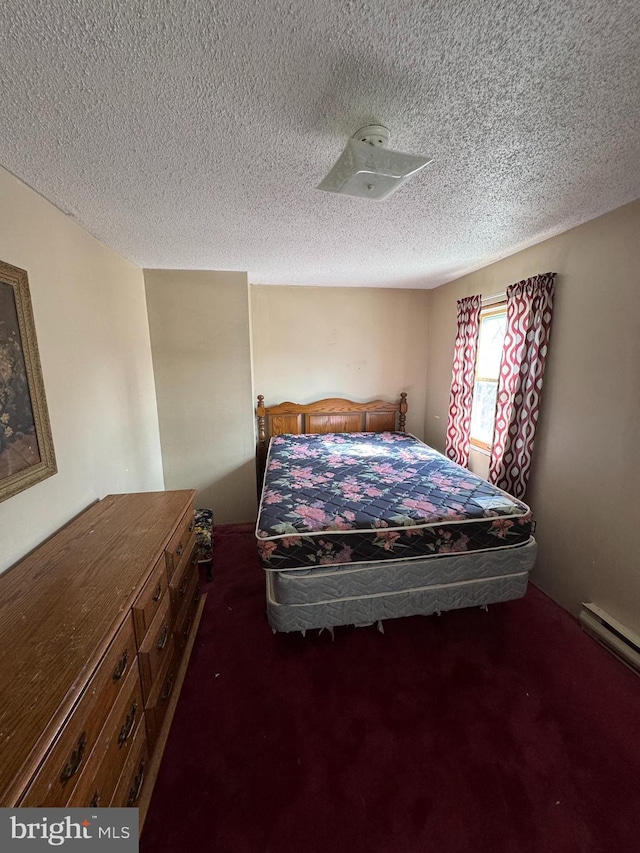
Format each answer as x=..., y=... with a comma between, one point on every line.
x=261, y=420
x=262, y=440
x=402, y=420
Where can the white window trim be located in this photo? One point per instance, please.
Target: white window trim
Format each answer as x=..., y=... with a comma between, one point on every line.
x=490, y=301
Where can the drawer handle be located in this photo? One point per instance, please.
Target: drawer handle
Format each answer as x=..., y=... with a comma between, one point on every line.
x=95, y=800
x=74, y=762
x=179, y=549
x=127, y=726
x=122, y=665
x=184, y=585
x=192, y=524
x=166, y=690
x=134, y=793
x=158, y=592
x=187, y=627
x=162, y=639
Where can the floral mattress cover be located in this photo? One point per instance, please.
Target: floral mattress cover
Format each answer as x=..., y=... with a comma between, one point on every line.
x=362, y=497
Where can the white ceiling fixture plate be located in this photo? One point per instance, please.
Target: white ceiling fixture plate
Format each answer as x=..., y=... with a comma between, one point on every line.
x=368, y=169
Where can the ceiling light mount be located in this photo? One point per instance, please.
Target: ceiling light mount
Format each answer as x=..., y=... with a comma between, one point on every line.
x=373, y=134
x=367, y=168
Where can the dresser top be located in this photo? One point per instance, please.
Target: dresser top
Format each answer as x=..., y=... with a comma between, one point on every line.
x=60, y=608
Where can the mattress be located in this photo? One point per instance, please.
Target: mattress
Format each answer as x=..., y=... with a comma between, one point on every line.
x=337, y=499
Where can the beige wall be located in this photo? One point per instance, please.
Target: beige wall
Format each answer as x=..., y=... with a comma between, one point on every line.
x=358, y=343
x=91, y=322
x=200, y=338
x=586, y=470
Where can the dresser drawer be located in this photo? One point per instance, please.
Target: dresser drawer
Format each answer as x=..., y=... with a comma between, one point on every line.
x=135, y=775
x=149, y=601
x=187, y=614
x=99, y=778
x=160, y=698
x=178, y=544
x=59, y=773
x=182, y=578
x=154, y=650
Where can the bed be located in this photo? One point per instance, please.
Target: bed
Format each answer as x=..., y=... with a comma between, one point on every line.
x=359, y=521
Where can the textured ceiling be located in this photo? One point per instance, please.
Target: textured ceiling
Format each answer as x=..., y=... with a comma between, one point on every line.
x=191, y=134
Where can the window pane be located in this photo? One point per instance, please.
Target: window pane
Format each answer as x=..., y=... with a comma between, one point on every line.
x=483, y=411
x=491, y=341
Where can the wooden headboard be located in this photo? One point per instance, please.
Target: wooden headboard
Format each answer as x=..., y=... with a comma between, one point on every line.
x=332, y=415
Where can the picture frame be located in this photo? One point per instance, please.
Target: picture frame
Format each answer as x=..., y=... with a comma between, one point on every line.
x=27, y=454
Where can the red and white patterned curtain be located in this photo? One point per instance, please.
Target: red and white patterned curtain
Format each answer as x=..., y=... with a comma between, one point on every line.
x=529, y=309
x=464, y=366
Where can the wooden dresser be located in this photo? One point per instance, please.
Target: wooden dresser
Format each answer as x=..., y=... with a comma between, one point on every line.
x=96, y=629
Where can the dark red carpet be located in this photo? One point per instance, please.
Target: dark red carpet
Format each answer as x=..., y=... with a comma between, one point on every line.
x=502, y=731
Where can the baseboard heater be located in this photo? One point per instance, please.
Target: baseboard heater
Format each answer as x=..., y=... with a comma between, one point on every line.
x=620, y=640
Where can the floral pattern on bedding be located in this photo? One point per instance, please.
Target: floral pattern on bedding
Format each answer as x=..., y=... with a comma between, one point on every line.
x=353, y=497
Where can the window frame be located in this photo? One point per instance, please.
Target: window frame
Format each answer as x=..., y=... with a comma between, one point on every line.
x=496, y=308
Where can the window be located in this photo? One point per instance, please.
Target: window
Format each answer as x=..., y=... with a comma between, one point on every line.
x=493, y=323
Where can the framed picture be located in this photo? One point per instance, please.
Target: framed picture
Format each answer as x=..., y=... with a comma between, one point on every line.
x=26, y=444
